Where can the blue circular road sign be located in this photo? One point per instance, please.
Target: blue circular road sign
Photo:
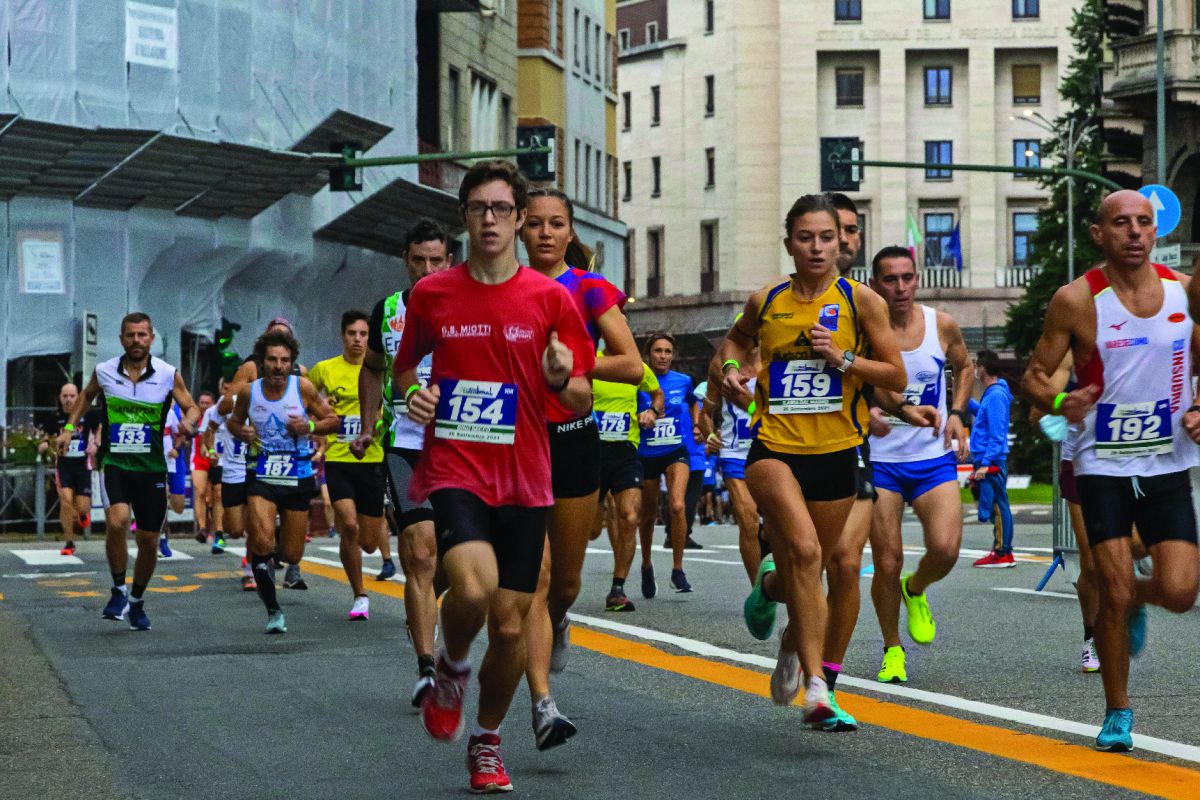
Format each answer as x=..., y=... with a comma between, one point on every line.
x=1167, y=208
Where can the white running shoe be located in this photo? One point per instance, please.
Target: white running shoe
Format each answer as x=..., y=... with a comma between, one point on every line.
x=816, y=702
x=1091, y=661
x=785, y=680
x=362, y=608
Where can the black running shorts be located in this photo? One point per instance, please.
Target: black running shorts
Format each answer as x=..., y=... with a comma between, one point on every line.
x=362, y=483
x=215, y=473
x=620, y=468
x=516, y=534
x=574, y=457
x=399, y=464
x=1160, y=506
x=864, y=474
x=73, y=474
x=822, y=476
x=233, y=494
x=654, y=466
x=286, y=498
x=144, y=492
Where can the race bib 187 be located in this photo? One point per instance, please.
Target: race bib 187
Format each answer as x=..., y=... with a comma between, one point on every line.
x=278, y=469
x=129, y=437
x=1133, y=429
x=614, y=425
x=477, y=411
x=804, y=387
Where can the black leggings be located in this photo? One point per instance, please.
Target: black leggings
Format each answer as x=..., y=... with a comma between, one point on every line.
x=691, y=496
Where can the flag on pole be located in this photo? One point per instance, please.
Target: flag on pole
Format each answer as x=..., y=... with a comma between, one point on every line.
x=914, y=236
x=954, y=247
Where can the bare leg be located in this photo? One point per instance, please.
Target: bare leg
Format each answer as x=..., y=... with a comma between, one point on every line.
x=677, y=480
x=622, y=530
x=843, y=579
x=504, y=660
x=418, y=559
x=938, y=510
x=649, y=512
x=345, y=515
x=887, y=554
x=745, y=513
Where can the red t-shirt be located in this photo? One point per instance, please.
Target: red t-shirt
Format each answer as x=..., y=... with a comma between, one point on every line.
x=593, y=296
x=489, y=436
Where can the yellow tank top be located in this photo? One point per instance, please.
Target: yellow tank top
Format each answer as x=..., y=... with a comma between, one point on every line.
x=802, y=404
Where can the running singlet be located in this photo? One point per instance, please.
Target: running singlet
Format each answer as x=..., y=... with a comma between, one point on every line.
x=77, y=449
x=674, y=427
x=735, y=429
x=338, y=379
x=489, y=432
x=615, y=407
x=925, y=367
x=134, y=415
x=231, y=451
x=387, y=322
x=283, y=459
x=697, y=451
x=804, y=405
x=593, y=296
x=1144, y=369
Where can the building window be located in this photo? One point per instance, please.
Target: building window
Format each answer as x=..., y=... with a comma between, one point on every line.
x=611, y=57
x=847, y=10
x=587, y=46
x=938, y=83
x=599, y=53
x=708, y=256
x=586, y=194
x=630, y=262
x=1026, y=9
x=485, y=113
x=937, y=9
x=655, y=176
x=626, y=111
x=599, y=178
x=1027, y=153
x=710, y=167
x=627, y=167
x=849, y=83
x=554, y=26
x=651, y=32
x=710, y=95
x=623, y=39
x=654, y=106
x=938, y=229
x=575, y=39
x=938, y=153
x=654, y=255
x=1027, y=84
x=578, y=160
x=709, y=16
x=1024, y=227
x=452, y=126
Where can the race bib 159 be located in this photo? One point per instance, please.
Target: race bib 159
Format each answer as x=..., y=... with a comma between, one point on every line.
x=808, y=386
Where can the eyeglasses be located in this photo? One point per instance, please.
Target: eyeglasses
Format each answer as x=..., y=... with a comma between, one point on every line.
x=499, y=210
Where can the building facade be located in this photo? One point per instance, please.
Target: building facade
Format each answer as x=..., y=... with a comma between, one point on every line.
x=1130, y=93
x=568, y=80
x=725, y=105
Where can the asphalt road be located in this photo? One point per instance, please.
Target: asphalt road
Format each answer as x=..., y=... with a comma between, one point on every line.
x=670, y=699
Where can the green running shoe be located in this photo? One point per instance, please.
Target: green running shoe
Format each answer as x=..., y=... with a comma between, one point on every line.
x=840, y=722
x=921, y=625
x=275, y=622
x=758, y=611
x=893, y=669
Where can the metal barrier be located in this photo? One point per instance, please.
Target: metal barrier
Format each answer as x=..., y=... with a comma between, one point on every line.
x=23, y=493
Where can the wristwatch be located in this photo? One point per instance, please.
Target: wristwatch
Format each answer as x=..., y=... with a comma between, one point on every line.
x=847, y=360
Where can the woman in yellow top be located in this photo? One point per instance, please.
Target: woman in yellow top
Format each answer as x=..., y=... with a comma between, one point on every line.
x=814, y=331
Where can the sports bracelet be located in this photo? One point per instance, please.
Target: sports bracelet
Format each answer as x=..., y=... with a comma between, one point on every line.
x=750, y=408
x=732, y=362
x=1058, y=401
x=68, y=427
x=409, y=391
x=712, y=437
x=312, y=426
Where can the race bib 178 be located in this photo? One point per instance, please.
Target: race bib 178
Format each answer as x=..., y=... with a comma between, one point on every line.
x=614, y=425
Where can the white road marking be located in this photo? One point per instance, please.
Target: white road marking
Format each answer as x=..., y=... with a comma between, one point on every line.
x=337, y=550
x=176, y=555
x=398, y=577
x=1165, y=747
x=46, y=558
x=33, y=576
x=1034, y=592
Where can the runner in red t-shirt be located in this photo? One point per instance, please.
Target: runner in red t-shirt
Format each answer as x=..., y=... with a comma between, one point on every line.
x=503, y=339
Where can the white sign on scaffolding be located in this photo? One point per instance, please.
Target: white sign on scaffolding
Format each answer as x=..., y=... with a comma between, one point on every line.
x=151, y=35
x=40, y=262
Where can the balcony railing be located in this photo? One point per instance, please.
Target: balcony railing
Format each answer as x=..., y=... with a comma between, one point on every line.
x=1134, y=64
x=1015, y=276
x=941, y=278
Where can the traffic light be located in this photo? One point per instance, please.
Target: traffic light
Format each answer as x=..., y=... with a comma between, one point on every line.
x=836, y=175
x=540, y=167
x=345, y=179
x=227, y=360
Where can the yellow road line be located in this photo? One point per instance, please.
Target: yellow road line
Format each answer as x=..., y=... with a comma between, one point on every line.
x=1149, y=777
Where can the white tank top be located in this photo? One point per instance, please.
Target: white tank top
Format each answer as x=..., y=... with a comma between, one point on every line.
x=735, y=429
x=404, y=434
x=926, y=369
x=232, y=450
x=1144, y=367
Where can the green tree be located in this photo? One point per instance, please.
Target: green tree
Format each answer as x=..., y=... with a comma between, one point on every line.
x=1081, y=94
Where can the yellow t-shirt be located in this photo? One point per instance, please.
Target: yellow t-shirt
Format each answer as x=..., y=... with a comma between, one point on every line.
x=804, y=405
x=615, y=406
x=337, y=379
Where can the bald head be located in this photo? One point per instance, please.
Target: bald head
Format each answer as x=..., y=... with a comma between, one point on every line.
x=67, y=396
x=1123, y=201
x=1125, y=229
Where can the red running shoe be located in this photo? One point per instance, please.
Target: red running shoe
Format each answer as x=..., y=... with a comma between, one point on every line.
x=68, y=549
x=994, y=560
x=486, y=766
x=441, y=710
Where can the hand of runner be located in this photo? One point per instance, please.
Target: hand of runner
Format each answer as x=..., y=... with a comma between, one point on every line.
x=297, y=425
x=713, y=444
x=423, y=404
x=733, y=387
x=822, y=345
x=557, y=361
x=173, y=453
x=248, y=435
x=924, y=417
x=1191, y=425
x=646, y=419
x=358, y=448
x=955, y=433
x=1076, y=405
x=878, y=426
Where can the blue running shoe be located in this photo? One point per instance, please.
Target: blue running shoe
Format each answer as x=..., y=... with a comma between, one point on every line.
x=118, y=605
x=388, y=571
x=1116, y=735
x=679, y=582
x=164, y=548
x=840, y=722
x=138, y=621
x=1137, y=631
x=649, y=585
x=218, y=546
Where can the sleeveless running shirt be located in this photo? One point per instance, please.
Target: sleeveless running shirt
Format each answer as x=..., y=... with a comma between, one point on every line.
x=1144, y=369
x=403, y=433
x=736, y=434
x=804, y=405
x=283, y=459
x=925, y=368
x=135, y=415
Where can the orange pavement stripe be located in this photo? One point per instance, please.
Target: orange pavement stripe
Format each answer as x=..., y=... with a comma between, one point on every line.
x=1150, y=777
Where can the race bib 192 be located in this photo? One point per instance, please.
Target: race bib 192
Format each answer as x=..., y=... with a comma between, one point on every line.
x=614, y=425
x=808, y=386
x=129, y=437
x=1133, y=429
x=477, y=411
x=278, y=469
